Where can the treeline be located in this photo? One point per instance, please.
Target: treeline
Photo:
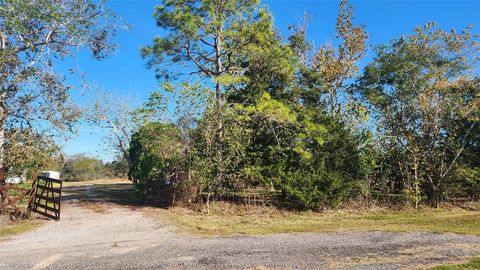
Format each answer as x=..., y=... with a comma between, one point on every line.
x=256, y=110
x=82, y=167
x=47, y=155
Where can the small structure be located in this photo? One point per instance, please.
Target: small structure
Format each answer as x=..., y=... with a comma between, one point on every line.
x=12, y=178
x=15, y=180
x=50, y=174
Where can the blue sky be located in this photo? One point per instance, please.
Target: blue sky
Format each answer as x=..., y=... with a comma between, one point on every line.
x=125, y=74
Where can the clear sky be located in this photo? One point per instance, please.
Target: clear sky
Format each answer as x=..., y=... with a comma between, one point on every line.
x=125, y=74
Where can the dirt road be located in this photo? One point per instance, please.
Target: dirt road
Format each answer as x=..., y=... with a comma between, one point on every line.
x=101, y=231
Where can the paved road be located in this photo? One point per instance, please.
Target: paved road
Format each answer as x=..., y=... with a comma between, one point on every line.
x=126, y=237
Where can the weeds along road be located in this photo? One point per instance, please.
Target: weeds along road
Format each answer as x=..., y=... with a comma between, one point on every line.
x=101, y=228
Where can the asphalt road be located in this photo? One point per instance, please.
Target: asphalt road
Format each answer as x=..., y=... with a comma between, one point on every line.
x=125, y=237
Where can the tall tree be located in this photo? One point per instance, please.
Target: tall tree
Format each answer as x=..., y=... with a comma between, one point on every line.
x=426, y=94
x=33, y=36
x=325, y=74
x=208, y=38
x=115, y=114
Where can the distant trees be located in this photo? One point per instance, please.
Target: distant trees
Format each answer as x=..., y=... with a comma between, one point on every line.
x=118, y=168
x=33, y=36
x=81, y=167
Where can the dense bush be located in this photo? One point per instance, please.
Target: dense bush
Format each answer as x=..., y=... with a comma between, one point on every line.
x=155, y=154
x=309, y=156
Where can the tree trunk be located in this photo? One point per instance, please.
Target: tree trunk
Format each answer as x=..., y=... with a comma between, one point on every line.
x=174, y=186
x=124, y=148
x=332, y=103
x=208, y=202
x=433, y=197
x=130, y=166
x=3, y=45
x=219, y=143
x=219, y=100
x=2, y=138
x=416, y=181
x=2, y=144
x=218, y=66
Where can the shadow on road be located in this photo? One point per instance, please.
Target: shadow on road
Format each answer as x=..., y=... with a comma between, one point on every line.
x=120, y=193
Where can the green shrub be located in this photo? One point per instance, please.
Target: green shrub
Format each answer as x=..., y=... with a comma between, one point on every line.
x=155, y=152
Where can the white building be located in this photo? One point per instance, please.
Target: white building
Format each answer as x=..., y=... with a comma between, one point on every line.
x=51, y=174
x=15, y=180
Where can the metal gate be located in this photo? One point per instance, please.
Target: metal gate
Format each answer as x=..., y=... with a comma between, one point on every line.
x=48, y=194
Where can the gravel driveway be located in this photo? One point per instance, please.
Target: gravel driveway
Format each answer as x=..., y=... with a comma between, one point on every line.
x=124, y=237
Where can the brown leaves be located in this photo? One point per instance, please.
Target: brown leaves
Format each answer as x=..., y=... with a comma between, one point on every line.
x=338, y=64
x=335, y=64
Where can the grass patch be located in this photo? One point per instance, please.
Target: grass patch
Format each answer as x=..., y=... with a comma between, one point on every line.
x=19, y=227
x=472, y=264
x=225, y=219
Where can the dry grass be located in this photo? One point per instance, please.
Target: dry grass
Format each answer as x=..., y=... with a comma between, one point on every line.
x=94, y=182
x=12, y=228
x=95, y=207
x=421, y=255
x=225, y=219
